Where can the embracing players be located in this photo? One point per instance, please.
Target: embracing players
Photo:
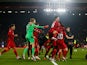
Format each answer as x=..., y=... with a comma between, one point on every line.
x=58, y=40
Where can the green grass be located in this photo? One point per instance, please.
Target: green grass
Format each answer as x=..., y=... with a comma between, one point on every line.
x=9, y=59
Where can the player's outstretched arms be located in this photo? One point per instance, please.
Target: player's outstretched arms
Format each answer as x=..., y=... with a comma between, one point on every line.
x=46, y=26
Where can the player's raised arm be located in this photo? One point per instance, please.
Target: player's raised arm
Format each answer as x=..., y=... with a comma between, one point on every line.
x=37, y=26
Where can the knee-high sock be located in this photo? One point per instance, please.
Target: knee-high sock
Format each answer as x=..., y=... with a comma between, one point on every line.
x=36, y=52
x=15, y=52
x=5, y=50
x=25, y=51
x=33, y=51
x=54, y=53
x=59, y=54
x=64, y=53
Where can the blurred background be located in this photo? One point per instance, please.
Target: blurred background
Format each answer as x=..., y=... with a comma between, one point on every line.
x=72, y=13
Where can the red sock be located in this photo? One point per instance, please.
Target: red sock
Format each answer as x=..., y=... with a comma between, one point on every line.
x=54, y=53
x=59, y=55
x=64, y=53
x=36, y=52
x=4, y=51
x=15, y=52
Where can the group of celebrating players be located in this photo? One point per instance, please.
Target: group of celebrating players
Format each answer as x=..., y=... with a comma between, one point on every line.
x=55, y=45
x=56, y=41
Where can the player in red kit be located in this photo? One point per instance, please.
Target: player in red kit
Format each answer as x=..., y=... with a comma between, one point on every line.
x=60, y=42
x=36, y=33
x=51, y=39
x=55, y=25
x=56, y=22
x=54, y=44
x=10, y=41
x=58, y=37
x=49, y=44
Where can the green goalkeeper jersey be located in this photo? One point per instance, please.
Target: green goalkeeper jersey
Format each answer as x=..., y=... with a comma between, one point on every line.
x=30, y=29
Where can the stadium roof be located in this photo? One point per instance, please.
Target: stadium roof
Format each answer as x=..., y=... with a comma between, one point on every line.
x=70, y=1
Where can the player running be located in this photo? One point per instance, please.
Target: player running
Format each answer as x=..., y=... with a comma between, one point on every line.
x=10, y=41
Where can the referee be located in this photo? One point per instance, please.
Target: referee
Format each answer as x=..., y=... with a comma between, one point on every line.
x=69, y=42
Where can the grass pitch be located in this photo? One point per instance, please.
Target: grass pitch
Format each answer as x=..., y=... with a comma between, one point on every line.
x=9, y=59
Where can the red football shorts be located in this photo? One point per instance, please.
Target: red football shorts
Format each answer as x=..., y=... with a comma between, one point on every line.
x=11, y=44
x=61, y=44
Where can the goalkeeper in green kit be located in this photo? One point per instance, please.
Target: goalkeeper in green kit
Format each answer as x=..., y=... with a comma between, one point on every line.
x=30, y=37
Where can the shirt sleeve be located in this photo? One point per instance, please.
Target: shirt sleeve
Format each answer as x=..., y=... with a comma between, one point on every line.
x=37, y=26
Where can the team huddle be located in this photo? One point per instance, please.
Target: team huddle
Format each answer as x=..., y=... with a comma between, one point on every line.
x=55, y=46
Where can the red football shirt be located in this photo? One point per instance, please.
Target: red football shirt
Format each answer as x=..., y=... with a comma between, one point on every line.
x=10, y=40
x=11, y=35
x=55, y=24
x=61, y=33
x=36, y=32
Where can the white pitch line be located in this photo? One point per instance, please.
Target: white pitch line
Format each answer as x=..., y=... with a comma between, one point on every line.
x=54, y=62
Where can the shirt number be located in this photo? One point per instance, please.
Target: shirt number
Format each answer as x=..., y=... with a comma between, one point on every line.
x=60, y=36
